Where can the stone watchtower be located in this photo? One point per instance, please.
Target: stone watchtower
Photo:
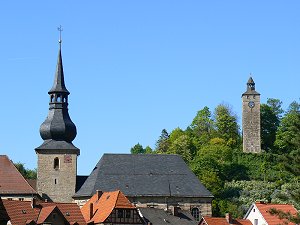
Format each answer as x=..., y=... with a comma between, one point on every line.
x=251, y=119
x=57, y=156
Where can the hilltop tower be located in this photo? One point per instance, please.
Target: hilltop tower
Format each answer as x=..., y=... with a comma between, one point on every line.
x=57, y=156
x=251, y=119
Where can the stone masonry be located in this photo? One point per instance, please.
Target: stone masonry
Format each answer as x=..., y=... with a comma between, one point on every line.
x=251, y=119
x=57, y=184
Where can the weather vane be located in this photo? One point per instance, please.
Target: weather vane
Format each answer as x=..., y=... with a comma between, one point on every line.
x=60, y=30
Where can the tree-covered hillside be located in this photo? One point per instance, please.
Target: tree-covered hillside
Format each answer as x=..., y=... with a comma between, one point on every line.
x=212, y=146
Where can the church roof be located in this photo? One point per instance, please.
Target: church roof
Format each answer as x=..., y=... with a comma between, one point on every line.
x=143, y=175
x=11, y=180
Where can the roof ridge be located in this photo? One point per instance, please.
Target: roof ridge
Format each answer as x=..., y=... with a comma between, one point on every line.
x=115, y=203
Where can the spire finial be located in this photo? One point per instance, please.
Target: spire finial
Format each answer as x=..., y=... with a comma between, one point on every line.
x=60, y=29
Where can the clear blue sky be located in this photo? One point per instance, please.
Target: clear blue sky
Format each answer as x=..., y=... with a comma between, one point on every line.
x=136, y=67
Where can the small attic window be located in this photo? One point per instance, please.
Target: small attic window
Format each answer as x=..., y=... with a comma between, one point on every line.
x=67, y=214
x=56, y=163
x=23, y=211
x=108, y=197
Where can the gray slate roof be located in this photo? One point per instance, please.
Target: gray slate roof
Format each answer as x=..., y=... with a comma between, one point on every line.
x=161, y=217
x=143, y=175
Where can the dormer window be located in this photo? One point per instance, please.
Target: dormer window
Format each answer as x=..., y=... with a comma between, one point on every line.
x=56, y=163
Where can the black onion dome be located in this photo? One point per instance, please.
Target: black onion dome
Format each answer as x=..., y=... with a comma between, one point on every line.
x=58, y=124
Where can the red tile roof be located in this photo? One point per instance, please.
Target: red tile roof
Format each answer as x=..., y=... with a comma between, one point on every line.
x=71, y=211
x=103, y=206
x=223, y=221
x=274, y=219
x=44, y=213
x=11, y=180
x=21, y=211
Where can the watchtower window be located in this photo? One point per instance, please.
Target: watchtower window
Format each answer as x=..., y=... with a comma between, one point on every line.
x=195, y=213
x=56, y=163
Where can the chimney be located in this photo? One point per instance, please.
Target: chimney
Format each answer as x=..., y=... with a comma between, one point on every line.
x=99, y=193
x=91, y=210
x=33, y=202
x=149, y=223
x=228, y=218
x=175, y=210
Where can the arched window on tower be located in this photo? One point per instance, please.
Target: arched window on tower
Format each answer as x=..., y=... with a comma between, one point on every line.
x=56, y=163
x=195, y=213
x=58, y=98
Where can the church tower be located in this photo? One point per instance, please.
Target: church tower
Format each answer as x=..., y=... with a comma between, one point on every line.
x=251, y=119
x=57, y=156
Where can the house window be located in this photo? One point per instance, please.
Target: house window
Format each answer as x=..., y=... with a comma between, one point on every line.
x=195, y=213
x=120, y=213
x=56, y=163
x=256, y=222
x=127, y=213
x=21, y=199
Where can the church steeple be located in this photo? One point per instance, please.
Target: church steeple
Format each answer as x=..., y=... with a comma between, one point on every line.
x=58, y=126
x=57, y=156
x=59, y=81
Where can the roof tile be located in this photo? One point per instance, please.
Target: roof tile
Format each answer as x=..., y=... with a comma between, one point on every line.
x=274, y=219
x=11, y=180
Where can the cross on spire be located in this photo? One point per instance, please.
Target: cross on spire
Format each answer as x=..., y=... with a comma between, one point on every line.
x=60, y=29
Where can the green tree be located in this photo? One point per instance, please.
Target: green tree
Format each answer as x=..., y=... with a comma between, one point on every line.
x=182, y=145
x=137, y=149
x=270, y=114
x=148, y=150
x=162, y=144
x=203, y=125
x=226, y=124
x=288, y=134
x=27, y=173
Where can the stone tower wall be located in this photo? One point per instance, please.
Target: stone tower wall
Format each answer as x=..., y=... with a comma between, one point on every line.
x=251, y=124
x=57, y=184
